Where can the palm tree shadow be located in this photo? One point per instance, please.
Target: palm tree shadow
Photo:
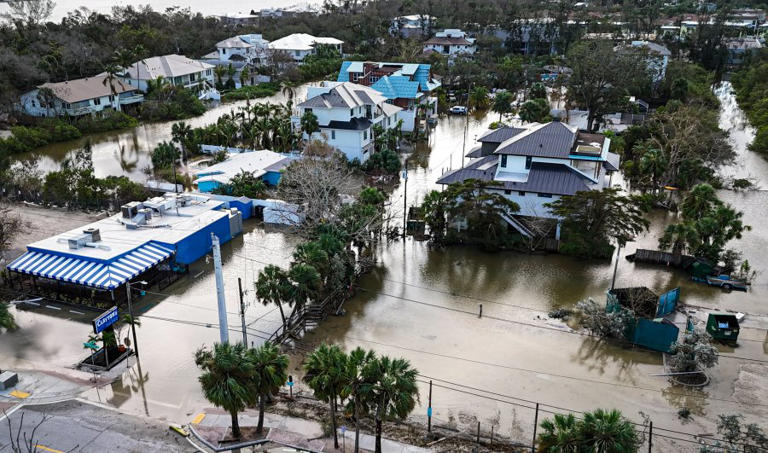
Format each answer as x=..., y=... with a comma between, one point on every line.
x=600, y=356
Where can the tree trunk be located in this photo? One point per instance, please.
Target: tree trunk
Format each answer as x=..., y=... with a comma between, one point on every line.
x=235, y=425
x=282, y=315
x=590, y=121
x=378, y=435
x=357, y=425
x=333, y=424
x=260, y=426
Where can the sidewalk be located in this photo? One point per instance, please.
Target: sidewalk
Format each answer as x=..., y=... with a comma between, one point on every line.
x=38, y=387
x=295, y=432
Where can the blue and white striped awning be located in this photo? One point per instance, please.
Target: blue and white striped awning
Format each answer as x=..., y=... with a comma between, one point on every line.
x=97, y=274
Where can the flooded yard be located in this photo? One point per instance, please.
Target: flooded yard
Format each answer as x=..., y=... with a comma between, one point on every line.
x=422, y=303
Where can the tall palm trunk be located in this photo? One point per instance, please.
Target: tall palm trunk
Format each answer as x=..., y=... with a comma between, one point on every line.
x=333, y=423
x=235, y=425
x=357, y=424
x=260, y=426
x=282, y=315
x=378, y=435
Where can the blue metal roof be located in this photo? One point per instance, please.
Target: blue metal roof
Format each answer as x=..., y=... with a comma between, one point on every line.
x=393, y=87
x=97, y=274
x=419, y=71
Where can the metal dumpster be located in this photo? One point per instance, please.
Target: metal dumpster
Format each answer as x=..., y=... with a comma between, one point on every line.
x=723, y=327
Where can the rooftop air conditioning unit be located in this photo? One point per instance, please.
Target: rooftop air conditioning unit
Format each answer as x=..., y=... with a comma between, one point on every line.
x=93, y=233
x=78, y=241
x=130, y=209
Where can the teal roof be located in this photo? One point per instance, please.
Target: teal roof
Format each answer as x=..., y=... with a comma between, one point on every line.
x=393, y=87
x=417, y=72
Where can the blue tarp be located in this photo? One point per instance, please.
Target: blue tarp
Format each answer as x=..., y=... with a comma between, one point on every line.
x=83, y=271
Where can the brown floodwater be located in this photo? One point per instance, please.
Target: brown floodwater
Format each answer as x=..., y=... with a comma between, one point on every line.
x=421, y=303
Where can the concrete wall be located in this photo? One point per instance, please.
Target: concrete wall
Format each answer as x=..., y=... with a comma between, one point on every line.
x=531, y=204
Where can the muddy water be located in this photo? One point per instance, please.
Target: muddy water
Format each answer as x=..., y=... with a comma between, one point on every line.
x=127, y=152
x=422, y=303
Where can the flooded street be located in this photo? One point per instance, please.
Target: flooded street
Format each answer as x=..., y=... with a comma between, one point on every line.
x=422, y=303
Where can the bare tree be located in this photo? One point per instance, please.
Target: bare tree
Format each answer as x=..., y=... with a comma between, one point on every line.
x=21, y=442
x=318, y=186
x=10, y=224
x=29, y=12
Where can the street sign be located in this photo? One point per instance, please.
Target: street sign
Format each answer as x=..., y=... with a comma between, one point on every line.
x=429, y=411
x=343, y=429
x=105, y=320
x=91, y=345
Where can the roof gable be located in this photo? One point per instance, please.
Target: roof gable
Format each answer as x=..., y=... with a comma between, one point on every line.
x=554, y=139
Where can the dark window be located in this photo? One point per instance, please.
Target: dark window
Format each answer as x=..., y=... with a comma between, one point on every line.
x=507, y=192
x=528, y=161
x=503, y=160
x=333, y=135
x=545, y=195
x=521, y=193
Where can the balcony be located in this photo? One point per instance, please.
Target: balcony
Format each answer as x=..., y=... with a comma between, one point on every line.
x=131, y=99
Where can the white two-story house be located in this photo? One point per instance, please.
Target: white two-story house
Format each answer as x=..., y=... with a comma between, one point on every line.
x=299, y=45
x=450, y=42
x=250, y=49
x=177, y=70
x=79, y=97
x=347, y=113
x=539, y=165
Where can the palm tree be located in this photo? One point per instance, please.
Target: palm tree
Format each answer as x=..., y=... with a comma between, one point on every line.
x=502, y=103
x=273, y=286
x=354, y=379
x=231, y=71
x=227, y=379
x=325, y=369
x=306, y=283
x=219, y=71
x=111, y=78
x=559, y=435
x=7, y=321
x=390, y=391
x=269, y=374
x=245, y=75
x=289, y=90
x=181, y=133
x=608, y=432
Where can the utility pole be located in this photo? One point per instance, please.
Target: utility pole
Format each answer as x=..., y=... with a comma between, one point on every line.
x=133, y=320
x=242, y=310
x=405, y=197
x=616, y=266
x=223, y=327
x=175, y=187
x=429, y=409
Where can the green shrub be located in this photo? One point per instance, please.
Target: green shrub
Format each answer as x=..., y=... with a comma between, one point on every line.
x=109, y=121
x=252, y=92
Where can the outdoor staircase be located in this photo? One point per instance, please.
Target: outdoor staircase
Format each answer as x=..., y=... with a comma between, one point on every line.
x=516, y=224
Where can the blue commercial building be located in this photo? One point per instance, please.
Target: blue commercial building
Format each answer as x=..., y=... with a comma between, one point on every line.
x=150, y=241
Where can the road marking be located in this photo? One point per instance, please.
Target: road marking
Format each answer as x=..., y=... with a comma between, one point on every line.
x=44, y=448
x=52, y=307
x=198, y=418
x=19, y=394
x=76, y=312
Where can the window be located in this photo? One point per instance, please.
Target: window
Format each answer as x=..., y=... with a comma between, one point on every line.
x=503, y=160
x=521, y=193
x=208, y=72
x=192, y=77
x=545, y=195
x=351, y=112
x=374, y=79
x=507, y=192
x=97, y=101
x=333, y=135
x=308, y=110
x=528, y=161
x=365, y=135
x=223, y=51
x=111, y=98
x=33, y=103
x=297, y=53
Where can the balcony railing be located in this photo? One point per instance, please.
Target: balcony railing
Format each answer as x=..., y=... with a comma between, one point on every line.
x=131, y=99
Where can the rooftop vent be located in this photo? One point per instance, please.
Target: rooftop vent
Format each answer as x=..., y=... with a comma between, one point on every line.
x=93, y=233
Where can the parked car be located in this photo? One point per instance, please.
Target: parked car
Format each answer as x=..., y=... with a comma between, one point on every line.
x=459, y=110
x=726, y=282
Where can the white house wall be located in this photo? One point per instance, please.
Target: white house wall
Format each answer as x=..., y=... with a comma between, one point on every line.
x=30, y=104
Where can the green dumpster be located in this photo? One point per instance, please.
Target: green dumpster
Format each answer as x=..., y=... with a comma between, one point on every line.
x=723, y=327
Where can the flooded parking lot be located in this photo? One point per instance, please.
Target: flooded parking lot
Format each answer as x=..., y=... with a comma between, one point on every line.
x=422, y=303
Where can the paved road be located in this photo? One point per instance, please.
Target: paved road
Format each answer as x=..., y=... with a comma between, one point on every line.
x=82, y=427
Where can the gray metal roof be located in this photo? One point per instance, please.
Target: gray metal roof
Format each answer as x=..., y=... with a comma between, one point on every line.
x=553, y=139
x=499, y=135
x=345, y=94
x=555, y=179
x=354, y=124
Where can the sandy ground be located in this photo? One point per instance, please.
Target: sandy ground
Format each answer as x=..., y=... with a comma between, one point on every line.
x=40, y=223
